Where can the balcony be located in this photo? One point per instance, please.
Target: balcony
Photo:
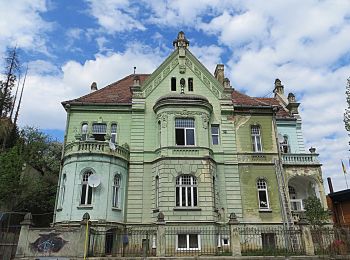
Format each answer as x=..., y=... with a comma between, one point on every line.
x=300, y=159
x=297, y=208
x=96, y=147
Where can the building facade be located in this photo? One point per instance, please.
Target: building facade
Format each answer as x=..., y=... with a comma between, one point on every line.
x=182, y=145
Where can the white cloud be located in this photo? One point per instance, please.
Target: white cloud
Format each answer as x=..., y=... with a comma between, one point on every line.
x=75, y=81
x=115, y=15
x=209, y=56
x=22, y=25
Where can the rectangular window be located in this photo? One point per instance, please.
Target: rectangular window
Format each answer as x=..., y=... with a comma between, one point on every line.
x=184, y=131
x=173, y=84
x=215, y=134
x=188, y=242
x=99, y=131
x=190, y=84
x=262, y=195
x=256, y=138
x=84, y=131
x=114, y=133
x=157, y=191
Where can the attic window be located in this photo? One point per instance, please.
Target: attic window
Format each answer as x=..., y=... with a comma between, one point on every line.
x=173, y=84
x=190, y=84
x=99, y=131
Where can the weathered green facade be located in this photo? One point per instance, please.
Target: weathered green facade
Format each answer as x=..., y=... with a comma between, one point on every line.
x=183, y=145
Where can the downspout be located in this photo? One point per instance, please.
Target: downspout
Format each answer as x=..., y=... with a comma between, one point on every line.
x=67, y=106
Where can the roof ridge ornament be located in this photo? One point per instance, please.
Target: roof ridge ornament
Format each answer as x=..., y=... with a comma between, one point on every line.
x=181, y=41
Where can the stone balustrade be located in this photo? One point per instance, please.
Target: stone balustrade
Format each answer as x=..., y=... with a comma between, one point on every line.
x=184, y=151
x=300, y=159
x=96, y=147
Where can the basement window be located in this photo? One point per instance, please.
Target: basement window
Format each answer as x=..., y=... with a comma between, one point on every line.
x=188, y=242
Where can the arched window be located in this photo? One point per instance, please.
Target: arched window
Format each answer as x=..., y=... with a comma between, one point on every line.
x=84, y=131
x=263, y=195
x=116, y=191
x=114, y=133
x=256, y=138
x=86, y=190
x=186, y=191
x=285, y=145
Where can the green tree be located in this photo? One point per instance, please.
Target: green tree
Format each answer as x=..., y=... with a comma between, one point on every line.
x=315, y=214
x=29, y=173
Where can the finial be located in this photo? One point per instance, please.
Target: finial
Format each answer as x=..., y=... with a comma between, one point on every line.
x=181, y=41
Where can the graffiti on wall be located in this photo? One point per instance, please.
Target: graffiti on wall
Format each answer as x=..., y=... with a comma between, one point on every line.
x=48, y=243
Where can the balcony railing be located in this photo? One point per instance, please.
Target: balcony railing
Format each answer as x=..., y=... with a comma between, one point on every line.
x=96, y=147
x=301, y=159
x=184, y=151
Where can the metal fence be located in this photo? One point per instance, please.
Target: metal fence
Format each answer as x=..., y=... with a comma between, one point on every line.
x=187, y=241
x=270, y=240
x=128, y=241
x=331, y=240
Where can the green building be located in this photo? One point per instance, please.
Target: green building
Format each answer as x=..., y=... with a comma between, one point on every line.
x=182, y=147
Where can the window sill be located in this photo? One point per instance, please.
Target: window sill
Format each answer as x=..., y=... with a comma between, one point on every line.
x=187, y=209
x=85, y=207
x=116, y=209
x=265, y=210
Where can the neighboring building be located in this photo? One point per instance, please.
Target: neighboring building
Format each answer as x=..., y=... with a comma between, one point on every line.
x=184, y=143
x=339, y=204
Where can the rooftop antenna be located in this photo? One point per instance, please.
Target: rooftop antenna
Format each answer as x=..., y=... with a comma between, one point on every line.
x=134, y=70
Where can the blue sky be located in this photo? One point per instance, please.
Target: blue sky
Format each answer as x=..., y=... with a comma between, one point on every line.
x=69, y=44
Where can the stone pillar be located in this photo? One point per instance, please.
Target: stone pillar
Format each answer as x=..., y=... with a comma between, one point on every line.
x=83, y=250
x=235, y=243
x=160, y=251
x=23, y=243
x=306, y=237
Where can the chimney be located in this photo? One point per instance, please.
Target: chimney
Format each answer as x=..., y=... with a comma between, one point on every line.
x=292, y=104
x=93, y=87
x=227, y=83
x=279, y=88
x=219, y=73
x=136, y=81
x=330, y=185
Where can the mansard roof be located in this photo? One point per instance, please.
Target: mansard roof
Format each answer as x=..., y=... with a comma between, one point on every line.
x=116, y=93
x=119, y=93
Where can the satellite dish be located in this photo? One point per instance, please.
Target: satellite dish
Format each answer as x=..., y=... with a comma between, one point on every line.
x=94, y=181
x=112, y=146
x=280, y=138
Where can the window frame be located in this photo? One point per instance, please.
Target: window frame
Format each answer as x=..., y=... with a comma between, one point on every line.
x=103, y=134
x=185, y=129
x=116, y=191
x=173, y=84
x=190, y=84
x=285, y=144
x=256, y=139
x=84, y=132
x=156, y=192
x=186, y=189
x=213, y=134
x=88, y=189
x=262, y=181
x=115, y=134
x=188, y=248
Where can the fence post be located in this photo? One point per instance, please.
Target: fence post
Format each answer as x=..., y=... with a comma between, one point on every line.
x=23, y=244
x=306, y=237
x=160, y=251
x=235, y=242
x=84, y=235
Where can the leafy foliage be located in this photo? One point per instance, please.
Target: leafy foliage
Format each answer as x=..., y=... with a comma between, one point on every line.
x=29, y=172
x=315, y=214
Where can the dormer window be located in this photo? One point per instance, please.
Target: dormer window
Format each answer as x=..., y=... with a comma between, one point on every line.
x=99, y=131
x=173, y=84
